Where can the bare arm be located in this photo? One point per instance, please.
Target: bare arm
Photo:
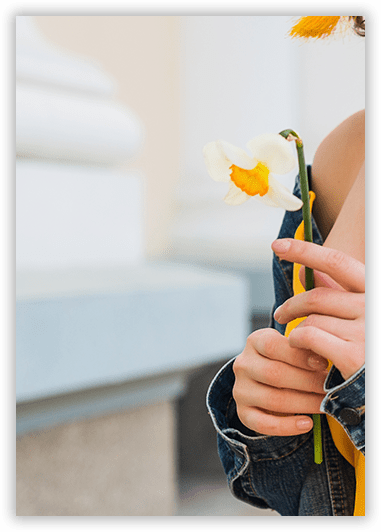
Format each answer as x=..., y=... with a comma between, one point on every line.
x=336, y=165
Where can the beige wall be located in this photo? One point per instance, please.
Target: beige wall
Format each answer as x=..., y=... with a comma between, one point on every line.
x=142, y=54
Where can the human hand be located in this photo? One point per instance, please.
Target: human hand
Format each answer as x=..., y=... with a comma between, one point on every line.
x=335, y=324
x=273, y=381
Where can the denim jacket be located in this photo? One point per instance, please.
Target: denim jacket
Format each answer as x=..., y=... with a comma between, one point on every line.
x=279, y=472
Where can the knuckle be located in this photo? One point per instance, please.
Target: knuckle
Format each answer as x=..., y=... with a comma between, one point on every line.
x=286, y=305
x=240, y=412
x=317, y=382
x=239, y=396
x=255, y=334
x=311, y=320
x=359, y=329
x=269, y=345
x=236, y=364
x=264, y=342
x=314, y=297
x=252, y=339
x=303, y=335
x=274, y=375
x=236, y=394
x=239, y=365
x=335, y=259
x=307, y=338
x=355, y=357
x=243, y=416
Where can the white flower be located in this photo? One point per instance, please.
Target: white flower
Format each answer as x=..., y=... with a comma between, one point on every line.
x=251, y=175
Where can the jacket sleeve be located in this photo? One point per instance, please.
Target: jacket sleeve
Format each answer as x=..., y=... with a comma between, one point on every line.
x=266, y=471
x=345, y=401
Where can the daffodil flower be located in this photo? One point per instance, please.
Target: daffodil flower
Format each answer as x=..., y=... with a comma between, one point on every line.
x=252, y=175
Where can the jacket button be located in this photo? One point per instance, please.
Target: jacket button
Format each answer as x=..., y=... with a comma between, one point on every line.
x=350, y=416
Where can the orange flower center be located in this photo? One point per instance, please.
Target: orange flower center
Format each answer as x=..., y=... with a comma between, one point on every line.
x=255, y=181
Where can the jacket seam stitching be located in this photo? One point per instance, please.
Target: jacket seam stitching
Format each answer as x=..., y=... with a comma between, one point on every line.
x=333, y=488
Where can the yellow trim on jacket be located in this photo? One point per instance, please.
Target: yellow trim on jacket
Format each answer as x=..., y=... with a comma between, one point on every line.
x=340, y=437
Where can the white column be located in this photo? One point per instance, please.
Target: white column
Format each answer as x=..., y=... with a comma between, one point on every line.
x=75, y=207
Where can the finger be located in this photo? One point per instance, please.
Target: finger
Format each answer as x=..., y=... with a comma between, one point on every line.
x=273, y=345
x=348, y=357
x=348, y=330
x=338, y=303
x=320, y=280
x=280, y=375
x=347, y=271
x=271, y=425
x=280, y=400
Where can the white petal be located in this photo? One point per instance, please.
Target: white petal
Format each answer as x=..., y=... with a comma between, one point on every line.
x=283, y=198
x=266, y=200
x=217, y=164
x=238, y=156
x=235, y=196
x=274, y=151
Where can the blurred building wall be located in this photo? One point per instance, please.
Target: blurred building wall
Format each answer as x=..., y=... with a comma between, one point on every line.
x=193, y=79
x=142, y=54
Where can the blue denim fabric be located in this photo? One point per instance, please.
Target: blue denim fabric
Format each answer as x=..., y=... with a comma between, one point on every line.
x=279, y=472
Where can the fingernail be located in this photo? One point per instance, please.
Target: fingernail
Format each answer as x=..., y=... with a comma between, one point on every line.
x=317, y=362
x=281, y=246
x=277, y=313
x=304, y=424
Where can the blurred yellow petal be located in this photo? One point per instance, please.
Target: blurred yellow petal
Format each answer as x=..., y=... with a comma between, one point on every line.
x=314, y=27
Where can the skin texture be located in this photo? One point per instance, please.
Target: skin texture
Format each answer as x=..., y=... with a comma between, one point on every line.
x=277, y=377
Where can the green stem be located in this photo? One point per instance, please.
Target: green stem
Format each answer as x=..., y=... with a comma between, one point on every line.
x=318, y=446
x=309, y=274
x=306, y=207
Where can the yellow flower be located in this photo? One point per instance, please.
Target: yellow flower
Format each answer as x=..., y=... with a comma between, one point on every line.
x=315, y=27
x=251, y=175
